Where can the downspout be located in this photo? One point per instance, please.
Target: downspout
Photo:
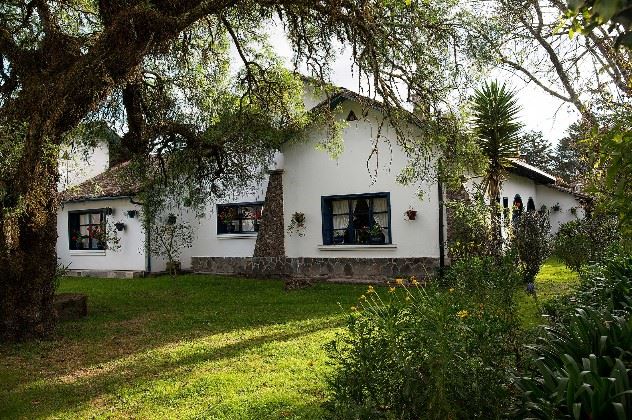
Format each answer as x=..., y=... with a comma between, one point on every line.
x=148, y=247
x=441, y=237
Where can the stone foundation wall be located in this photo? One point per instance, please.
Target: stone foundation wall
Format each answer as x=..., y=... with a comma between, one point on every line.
x=318, y=268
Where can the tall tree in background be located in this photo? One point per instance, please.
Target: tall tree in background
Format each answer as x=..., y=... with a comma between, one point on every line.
x=536, y=150
x=495, y=110
x=570, y=162
x=161, y=68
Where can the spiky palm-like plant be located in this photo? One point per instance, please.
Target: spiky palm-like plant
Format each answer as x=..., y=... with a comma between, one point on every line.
x=495, y=110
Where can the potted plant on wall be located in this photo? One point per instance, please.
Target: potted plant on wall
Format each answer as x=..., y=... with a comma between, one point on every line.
x=376, y=236
x=411, y=214
x=297, y=224
x=556, y=207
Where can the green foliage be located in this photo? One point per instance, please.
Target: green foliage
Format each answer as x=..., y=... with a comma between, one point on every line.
x=570, y=160
x=495, y=111
x=530, y=237
x=536, y=150
x=582, y=360
x=581, y=241
x=586, y=15
x=471, y=234
x=168, y=239
x=430, y=352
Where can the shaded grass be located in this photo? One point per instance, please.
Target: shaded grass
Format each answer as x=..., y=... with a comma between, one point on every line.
x=196, y=347
x=554, y=279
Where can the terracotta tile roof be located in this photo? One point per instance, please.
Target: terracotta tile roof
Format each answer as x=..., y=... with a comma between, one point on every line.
x=118, y=181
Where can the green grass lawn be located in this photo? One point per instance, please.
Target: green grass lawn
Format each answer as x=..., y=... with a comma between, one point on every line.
x=554, y=279
x=196, y=347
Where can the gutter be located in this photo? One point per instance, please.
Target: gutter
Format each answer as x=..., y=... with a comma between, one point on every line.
x=115, y=197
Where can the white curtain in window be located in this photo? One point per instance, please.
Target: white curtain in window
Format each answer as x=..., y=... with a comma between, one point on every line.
x=340, y=209
x=380, y=205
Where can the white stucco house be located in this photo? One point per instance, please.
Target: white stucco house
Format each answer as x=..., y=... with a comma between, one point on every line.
x=313, y=215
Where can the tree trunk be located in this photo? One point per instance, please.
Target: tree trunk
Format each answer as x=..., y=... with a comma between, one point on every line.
x=28, y=258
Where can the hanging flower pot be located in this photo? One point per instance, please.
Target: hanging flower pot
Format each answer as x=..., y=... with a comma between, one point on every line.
x=120, y=226
x=411, y=214
x=171, y=219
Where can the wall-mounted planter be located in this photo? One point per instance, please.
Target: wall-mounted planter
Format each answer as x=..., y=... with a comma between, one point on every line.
x=132, y=213
x=411, y=214
x=120, y=226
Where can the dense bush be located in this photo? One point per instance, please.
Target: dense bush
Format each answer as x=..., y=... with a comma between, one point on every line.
x=581, y=362
x=531, y=239
x=581, y=241
x=605, y=286
x=470, y=229
x=430, y=352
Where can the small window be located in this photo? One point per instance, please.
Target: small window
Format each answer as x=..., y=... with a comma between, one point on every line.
x=86, y=229
x=362, y=219
x=239, y=218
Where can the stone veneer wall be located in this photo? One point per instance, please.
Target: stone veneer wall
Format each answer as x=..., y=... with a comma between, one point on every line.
x=271, y=237
x=314, y=268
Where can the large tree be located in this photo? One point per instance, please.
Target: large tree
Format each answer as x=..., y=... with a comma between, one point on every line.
x=161, y=70
x=536, y=150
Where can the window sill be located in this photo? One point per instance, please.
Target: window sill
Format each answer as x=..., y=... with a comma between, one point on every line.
x=357, y=247
x=237, y=236
x=88, y=252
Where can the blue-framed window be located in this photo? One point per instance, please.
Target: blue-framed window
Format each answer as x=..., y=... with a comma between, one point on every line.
x=357, y=219
x=86, y=229
x=239, y=217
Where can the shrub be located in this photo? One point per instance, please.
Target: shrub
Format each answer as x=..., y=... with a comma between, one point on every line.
x=470, y=229
x=429, y=352
x=581, y=362
x=581, y=369
x=605, y=286
x=581, y=241
x=531, y=240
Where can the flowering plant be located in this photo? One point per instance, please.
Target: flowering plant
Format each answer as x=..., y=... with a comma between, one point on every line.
x=227, y=215
x=297, y=224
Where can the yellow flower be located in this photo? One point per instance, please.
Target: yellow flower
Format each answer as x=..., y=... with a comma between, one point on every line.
x=391, y=290
x=462, y=314
x=414, y=281
x=451, y=289
x=353, y=308
x=407, y=298
x=399, y=281
x=370, y=290
x=363, y=297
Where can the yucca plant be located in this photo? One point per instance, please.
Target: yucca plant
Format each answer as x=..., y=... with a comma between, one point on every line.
x=495, y=118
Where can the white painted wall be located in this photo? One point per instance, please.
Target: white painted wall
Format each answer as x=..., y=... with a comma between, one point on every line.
x=130, y=255
x=550, y=196
x=78, y=163
x=207, y=242
x=542, y=195
x=310, y=174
